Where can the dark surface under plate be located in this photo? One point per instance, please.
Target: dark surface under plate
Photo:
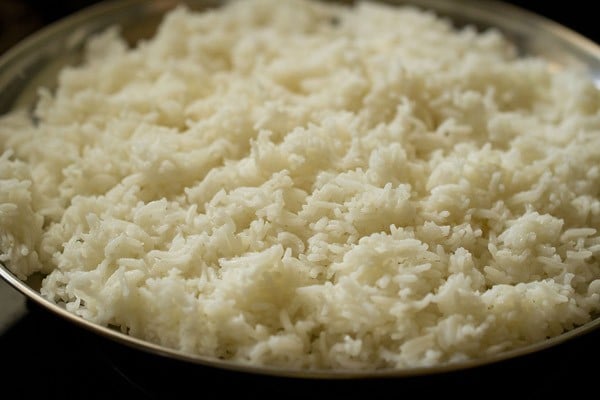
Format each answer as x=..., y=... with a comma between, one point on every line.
x=45, y=357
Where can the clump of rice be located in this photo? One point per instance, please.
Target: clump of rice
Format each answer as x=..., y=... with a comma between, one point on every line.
x=304, y=185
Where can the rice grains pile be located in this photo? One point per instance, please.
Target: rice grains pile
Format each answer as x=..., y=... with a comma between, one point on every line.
x=303, y=185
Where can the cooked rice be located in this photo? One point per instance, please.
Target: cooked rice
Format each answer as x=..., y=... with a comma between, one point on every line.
x=303, y=185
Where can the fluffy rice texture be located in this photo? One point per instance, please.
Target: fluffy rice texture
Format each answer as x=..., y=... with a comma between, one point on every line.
x=302, y=185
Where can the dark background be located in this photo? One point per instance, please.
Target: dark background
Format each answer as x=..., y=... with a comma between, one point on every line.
x=44, y=357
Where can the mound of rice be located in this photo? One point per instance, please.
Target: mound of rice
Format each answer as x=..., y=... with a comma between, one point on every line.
x=303, y=185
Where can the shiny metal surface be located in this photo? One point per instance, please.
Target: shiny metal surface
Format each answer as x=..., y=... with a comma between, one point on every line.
x=36, y=61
